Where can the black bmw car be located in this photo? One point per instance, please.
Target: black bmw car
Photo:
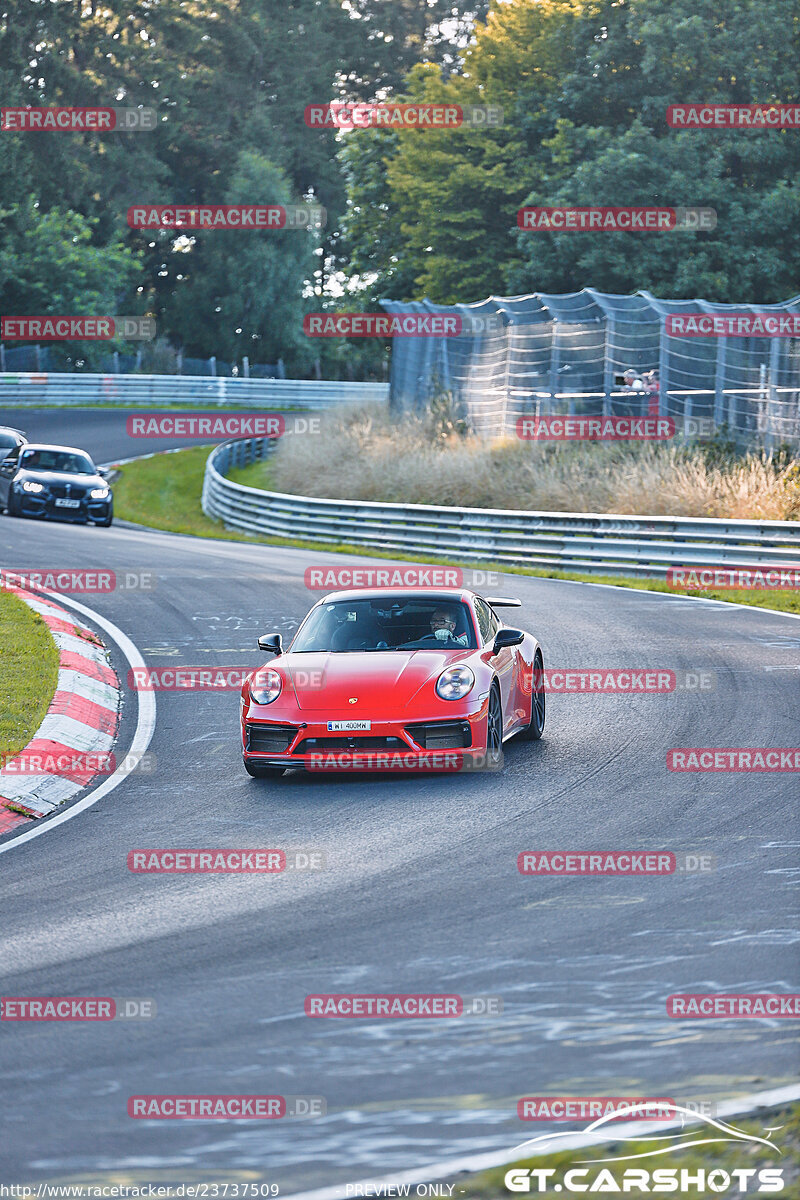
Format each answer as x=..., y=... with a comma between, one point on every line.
x=54, y=481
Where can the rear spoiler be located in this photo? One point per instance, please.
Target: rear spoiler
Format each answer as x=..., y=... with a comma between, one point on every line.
x=503, y=601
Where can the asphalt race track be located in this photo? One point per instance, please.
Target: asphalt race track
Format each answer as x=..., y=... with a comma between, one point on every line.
x=421, y=893
x=99, y=431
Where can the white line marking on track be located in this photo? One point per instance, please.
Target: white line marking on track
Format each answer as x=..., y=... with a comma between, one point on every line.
x=145, y=728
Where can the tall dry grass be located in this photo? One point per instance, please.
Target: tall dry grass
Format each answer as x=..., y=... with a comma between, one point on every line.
x=363, y=455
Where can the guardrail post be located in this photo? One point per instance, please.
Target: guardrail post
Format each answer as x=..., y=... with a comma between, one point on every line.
x=212, y=362
x=281, y=369
x=38, y=352
x=179, y=362
x=2, y=357
x=245, y=366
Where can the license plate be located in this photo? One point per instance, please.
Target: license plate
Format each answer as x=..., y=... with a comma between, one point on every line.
x=347, y=726
x=68, y=503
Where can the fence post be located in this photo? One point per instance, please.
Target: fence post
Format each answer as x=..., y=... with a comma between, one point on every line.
x=2, y=357
x=115, y=361
x=608, y=363
x=719, y=381
x=212, y=362
x=281, y=369
x=138, y=365
x=38, y=350
x=179, y=361
x=245, y=366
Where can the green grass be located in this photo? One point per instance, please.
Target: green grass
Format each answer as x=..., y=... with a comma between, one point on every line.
x=164, y=492
x=29, y=675
x=487, y=1185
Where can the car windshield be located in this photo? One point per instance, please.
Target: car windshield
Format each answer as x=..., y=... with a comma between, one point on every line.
x=393, y=623
x=67, y=461
x=8, y=441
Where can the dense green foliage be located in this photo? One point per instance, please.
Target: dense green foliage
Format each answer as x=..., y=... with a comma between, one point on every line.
x=584, y=85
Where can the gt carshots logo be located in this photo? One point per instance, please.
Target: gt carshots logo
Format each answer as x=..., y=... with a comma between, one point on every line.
x=593, y=1176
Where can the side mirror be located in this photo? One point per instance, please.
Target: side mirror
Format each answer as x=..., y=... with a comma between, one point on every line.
x=507, y=637
x=271, y=643
x=103, y=472
x=8, y=463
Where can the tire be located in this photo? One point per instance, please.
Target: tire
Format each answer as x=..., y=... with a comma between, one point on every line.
x=494, y=730
x=256, y=772
x=534, y=730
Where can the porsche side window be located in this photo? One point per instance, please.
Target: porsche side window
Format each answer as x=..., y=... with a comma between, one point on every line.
x=484, y=615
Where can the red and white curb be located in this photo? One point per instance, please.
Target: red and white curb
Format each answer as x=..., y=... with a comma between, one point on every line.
x=82, y=719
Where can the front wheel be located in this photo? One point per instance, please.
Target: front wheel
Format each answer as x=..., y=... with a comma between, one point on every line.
x=535, y=728
x=494, y=730
x=257, y=772
x=12, y=506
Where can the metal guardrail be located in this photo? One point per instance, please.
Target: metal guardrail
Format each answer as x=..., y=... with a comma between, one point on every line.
x=146, y=391
x=586, y=542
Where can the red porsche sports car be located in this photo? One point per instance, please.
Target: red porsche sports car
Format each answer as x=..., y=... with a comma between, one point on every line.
x=382, y=680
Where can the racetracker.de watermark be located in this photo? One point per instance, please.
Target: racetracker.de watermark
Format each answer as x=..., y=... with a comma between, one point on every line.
x=231, y=425
x=621, y=681
x=733, y=116
x=440, y=761
x=224, y=1108
x=68, y=579
x=614, y=862
x=339, y=114
x=224, y=861
x=399, y=1005
x=759, y=324
x=77, y=120
x=227, y=216
x=323, y=578
x=594, y=428
x=355, y=324
x=76, y=1008
x=77, y=329
x=79, y=766
x=741, y=1005
x=739, y=578
x=602, y=219
x=721, y=759
x=590, y=1108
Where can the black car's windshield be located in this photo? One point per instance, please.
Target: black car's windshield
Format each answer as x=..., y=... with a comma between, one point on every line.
x=67, y=461
x=8, y=441
x=393, y=623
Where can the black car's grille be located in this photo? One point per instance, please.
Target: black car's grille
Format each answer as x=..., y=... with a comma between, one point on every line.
x=441, y=735
x=59, y=491
x=350, y=742
x=269, y=739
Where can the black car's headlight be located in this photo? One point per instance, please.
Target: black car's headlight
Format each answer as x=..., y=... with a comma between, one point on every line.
x=30, y=485
x=454, y=683
x=101, y=493
x=265, y=686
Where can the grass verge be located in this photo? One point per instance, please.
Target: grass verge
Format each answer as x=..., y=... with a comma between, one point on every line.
x=164, y=492
x=30, y=672
x=727, y=1157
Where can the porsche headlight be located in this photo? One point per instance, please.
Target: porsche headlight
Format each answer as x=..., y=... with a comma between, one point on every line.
x=265, y=686
x=454, y=683
x=30, y=485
